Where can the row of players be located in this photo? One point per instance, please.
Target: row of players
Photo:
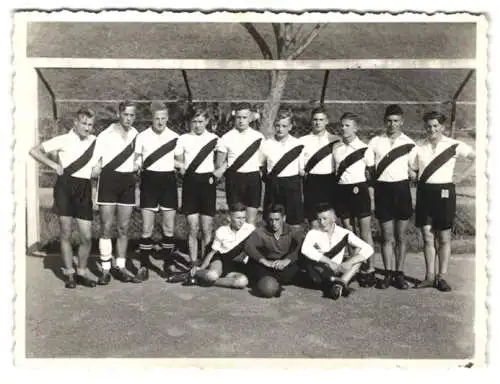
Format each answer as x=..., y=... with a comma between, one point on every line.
x=319, y=168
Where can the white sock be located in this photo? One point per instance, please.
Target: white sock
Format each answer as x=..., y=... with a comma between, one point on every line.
x=105, y=248
x=120, y=262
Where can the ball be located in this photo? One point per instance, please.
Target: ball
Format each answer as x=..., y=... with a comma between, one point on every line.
x=268, y=286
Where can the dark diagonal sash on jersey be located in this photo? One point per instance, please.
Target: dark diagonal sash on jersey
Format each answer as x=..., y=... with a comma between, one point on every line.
x=201, y=156
x=159, y=153
x=349, y=160
x=244, y=156
x=121, y=157
x=81, y=161
x=437, y=163
x=237, y=249
x=337, y=247
x=319, y=155
x=390, y=156
x=286, y=159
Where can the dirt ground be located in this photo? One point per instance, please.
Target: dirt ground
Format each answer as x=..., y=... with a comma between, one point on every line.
x=157, y=319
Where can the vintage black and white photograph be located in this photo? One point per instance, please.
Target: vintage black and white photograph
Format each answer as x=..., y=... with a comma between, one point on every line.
x=250, y=186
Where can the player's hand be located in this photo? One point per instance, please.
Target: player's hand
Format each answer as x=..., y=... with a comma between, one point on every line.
x=182, y=170
x=137, y=168
x=281, y=264
x=96, y=171
x=59, y=169
x=218, y=173
x=204, y=265
x=334, y=266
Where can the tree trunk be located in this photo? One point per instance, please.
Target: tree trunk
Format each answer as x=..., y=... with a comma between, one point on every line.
x=271, y=107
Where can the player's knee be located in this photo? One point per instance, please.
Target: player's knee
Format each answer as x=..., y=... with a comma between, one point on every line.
x=240, y=281
x=194, y=230
x=428, y=236
x=65, y=234
x=85, y=238
x=444, y=241
x=122, y=229
x=389, y=239
x=212, y=275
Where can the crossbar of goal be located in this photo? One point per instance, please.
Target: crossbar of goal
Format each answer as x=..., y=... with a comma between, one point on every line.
x=341, y=64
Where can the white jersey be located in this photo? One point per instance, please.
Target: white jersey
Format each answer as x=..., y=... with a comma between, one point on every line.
x=70, y=147
x=111, y=142
x=190, y=144
x=148, y=142
x=234, y=143
x=274, y=150
x=351, y=160
x=312, y=144
x=227, y=239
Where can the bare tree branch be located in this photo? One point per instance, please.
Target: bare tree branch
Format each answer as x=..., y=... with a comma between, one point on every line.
x=306, y=41
x=296, y=35
x=263, y=46
x=279, y=38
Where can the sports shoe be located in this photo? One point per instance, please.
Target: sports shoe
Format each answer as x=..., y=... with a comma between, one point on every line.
x=104, y=279
x=346, y=292
x=386, y=282
x=70, y=282
x=399, y=281
x=427, y=283
x=177, y=277
x=336, y=291
x=142, y=274
x=366, y=280
x=442, y=285
x=85, y=281
x=125, y=277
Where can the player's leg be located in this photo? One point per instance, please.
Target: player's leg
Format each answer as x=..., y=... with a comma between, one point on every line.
x=232, y=280
x=444, y=252
x=193, y=221
x=429, y=257
x=146, y=242
x=340, y=285
x=252, y=196
x=211, y=274
x=107, y=214
x=388, y=241
x=401, y=227
x=367, y=270
x=292, y=198
x=65, y=224
x=85, y=234
x=123, y=215
x=207, y=229
x=168, y=228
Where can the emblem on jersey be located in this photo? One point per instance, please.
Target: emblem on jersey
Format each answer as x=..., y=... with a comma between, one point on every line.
x=445, y=194
x=355, y=190
x=211, y=180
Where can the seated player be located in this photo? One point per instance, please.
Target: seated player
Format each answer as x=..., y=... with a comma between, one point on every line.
x=154, y=159
x=326, y=250
x=353, y=203
x=284, y=166
x=224, y=265
x=319, y=178
x=434, y=163
x=73, y=191
x=195, y=153
x=273, y=254
x=238, y=153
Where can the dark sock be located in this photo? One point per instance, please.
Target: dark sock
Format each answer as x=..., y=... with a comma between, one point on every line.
x=145, y=247
x=168, y=244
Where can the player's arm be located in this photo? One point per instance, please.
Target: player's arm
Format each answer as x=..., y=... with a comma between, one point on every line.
x=302, y=163
x=40, y=155
x=468, y=154
x=310, y=250
x=362, y=250
x=252, y=249
x=220, y=164
x=208, y=259
x=179, y=156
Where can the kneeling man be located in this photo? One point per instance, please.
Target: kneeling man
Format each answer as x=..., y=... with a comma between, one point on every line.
x=273, y=253
x=326, y=248
x=223, y=265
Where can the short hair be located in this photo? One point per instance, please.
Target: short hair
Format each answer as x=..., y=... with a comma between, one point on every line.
x=158, y=106
x=124, y=104
x=85, y=111
x=241, y=106
x=393, y=109
x=434, y=115
x=318, y=110
x=199, y=111
x=284, y=114
x=323, y=207
x=237, y=207
x=276, y=208
x=350, y=116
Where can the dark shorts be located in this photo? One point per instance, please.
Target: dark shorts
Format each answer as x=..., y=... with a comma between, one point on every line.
x=199, y=194
x=320, y=274
x=245, y=188
x=436, y=206
x=229, y=264
x=158, y=190
x=116, y=188
x=393, y=200
x=286, y=191
x=73, y=197
x=317, y=189
x=353, y=200
x=256, y=271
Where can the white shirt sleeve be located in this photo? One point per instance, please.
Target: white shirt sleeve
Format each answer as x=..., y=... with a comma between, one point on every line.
x=308, y=248
x=302, y=159
x=138, y=144
x=179, y=147
x=222, y=145
x=217, y=244
x=464, y=150
x=365, y=249
x=370, y=154
x=54, y=144
x=413, y=158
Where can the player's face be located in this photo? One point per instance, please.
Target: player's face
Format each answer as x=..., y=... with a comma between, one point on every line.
x=348, y=128
x=160, y=119
x=242, y=119
x=393, y=123
x=127, y=117
x=319, y=122
x=275, y=221
x=282, y=128
x=84, y=126
x=238, y=219
x=326, y=220
x=199, y=124
x=434, y=129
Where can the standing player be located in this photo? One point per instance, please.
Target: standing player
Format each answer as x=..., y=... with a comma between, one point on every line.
x=73, y=191
x=154, y=157
x=195, y=154
x=388, y=156
x=238, y=153
x=114, y=155
x=353, y=203
x=326, y=248
x=224, y=265
x=434, y=162
x=318, y=171
x=284, y=161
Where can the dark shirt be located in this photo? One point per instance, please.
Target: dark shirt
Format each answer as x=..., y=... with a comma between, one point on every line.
x=262, y=244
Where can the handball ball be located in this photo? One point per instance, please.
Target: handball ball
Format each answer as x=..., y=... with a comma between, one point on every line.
x=268, y=286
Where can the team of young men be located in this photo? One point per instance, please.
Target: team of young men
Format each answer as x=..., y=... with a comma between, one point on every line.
x=319, y=176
